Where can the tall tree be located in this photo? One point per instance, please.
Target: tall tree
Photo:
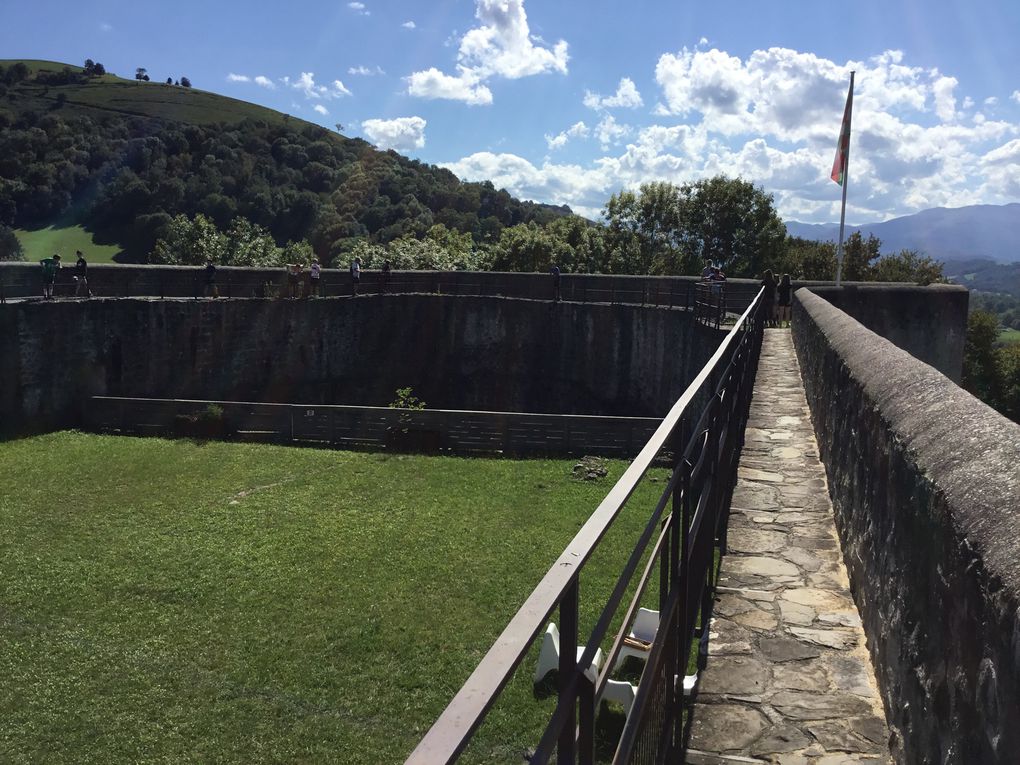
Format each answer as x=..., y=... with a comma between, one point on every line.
x=980, y=370
x=733, y=223
x=859, y=255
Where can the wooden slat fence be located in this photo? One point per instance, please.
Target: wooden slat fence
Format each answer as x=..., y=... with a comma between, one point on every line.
x=374, y=428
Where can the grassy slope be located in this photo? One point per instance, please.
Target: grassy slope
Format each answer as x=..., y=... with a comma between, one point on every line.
x=112, y=94
x=1008, y=336
x=43, y=242
x=170, y=601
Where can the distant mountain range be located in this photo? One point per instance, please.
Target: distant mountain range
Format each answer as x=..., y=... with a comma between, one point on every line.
x=946, y=234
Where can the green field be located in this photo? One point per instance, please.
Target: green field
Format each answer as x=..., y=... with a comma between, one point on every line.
x=1009, y=336
x=43, y=242
x=175, y=601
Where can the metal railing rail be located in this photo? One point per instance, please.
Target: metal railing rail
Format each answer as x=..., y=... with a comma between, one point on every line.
x=698, y=493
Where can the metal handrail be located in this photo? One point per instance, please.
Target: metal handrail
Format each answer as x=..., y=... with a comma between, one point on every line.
x=452, y=732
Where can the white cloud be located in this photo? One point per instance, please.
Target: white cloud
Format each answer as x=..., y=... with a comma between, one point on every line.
x=105, y=27
x=577, y=130
x=1016, y=96
x=991, y=101
x=238, y=78
x=945, y=101
x=321, y=110
x=307, y=85
x=773, y=118
x=265, y=82
x=408, y=25
x=365, y=71
x=502, y=46
x=359, y=8
x=609, y=132
x=432, y=83
x=626, y=96
x=401, y=134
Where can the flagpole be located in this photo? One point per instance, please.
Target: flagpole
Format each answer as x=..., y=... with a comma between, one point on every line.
x=846, y=181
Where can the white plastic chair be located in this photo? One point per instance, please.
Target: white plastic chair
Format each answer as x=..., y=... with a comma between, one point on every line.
x=639, y=642
x=549, y=658
x=625, y=693
x=621, y=692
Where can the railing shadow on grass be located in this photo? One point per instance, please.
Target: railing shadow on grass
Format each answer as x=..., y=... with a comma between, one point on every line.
x=683, y=532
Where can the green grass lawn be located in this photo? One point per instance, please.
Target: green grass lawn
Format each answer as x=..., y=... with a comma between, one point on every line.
x=171, y=601
x=1008, y=336
x=43, y=242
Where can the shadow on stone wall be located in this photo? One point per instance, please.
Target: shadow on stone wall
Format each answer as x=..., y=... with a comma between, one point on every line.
x=497, y=354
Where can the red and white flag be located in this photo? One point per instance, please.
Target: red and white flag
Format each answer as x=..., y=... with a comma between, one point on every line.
x=843, y=147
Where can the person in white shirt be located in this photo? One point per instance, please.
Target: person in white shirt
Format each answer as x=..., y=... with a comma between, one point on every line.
x=314, y=274
x=356, y=274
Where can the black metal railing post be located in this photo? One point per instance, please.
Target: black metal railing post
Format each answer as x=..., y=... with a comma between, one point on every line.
x=565, y=751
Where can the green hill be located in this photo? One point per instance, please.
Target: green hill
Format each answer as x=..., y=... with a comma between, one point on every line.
x=120, y=158
x=110, y=94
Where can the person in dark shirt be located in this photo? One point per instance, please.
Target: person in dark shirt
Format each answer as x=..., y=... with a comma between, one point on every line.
x=50, y=266
x=81, y=275
x=768, y=299
x=785, y=294
x=210, y=280
x=555, y=271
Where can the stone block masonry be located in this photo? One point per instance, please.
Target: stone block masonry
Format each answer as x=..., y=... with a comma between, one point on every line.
x=929, y=323
x=925, y=485
x=501, y=354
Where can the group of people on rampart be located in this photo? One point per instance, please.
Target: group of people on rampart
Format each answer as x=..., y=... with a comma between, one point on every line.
x=299, y=281
x=777, y=300
x=50, y=267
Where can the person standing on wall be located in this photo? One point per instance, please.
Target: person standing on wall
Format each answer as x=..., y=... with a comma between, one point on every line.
x=386, y=275
x=50, y=266
x=356, y=275
x=555, y=271
x=294, y=280
x=785, y=291
x=210, y=280
x=768, y=299
x=81, y=274
x=314, y=274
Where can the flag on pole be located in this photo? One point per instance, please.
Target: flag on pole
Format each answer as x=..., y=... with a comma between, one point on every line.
x=843, y=147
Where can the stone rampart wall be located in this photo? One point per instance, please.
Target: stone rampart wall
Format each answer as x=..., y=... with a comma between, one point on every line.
x=109, y=280
x=497, y=354
x=929, y=323
x=926, y=489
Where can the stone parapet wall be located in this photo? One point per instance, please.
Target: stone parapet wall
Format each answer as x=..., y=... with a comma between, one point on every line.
x=929, y=323
x=494, y=354
x=110, y=280
x=926, y=491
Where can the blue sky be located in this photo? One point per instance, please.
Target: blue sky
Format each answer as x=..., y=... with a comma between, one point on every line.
x=568, y=102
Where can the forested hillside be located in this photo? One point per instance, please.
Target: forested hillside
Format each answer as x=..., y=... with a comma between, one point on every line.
x=124, y=157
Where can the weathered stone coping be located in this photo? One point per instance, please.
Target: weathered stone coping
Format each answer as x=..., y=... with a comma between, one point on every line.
x=925, y=482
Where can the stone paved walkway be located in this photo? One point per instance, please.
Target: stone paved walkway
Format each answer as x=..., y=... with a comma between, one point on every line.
x=789, y=679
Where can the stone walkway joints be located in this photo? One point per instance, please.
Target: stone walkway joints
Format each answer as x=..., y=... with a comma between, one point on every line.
x=788, y=679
